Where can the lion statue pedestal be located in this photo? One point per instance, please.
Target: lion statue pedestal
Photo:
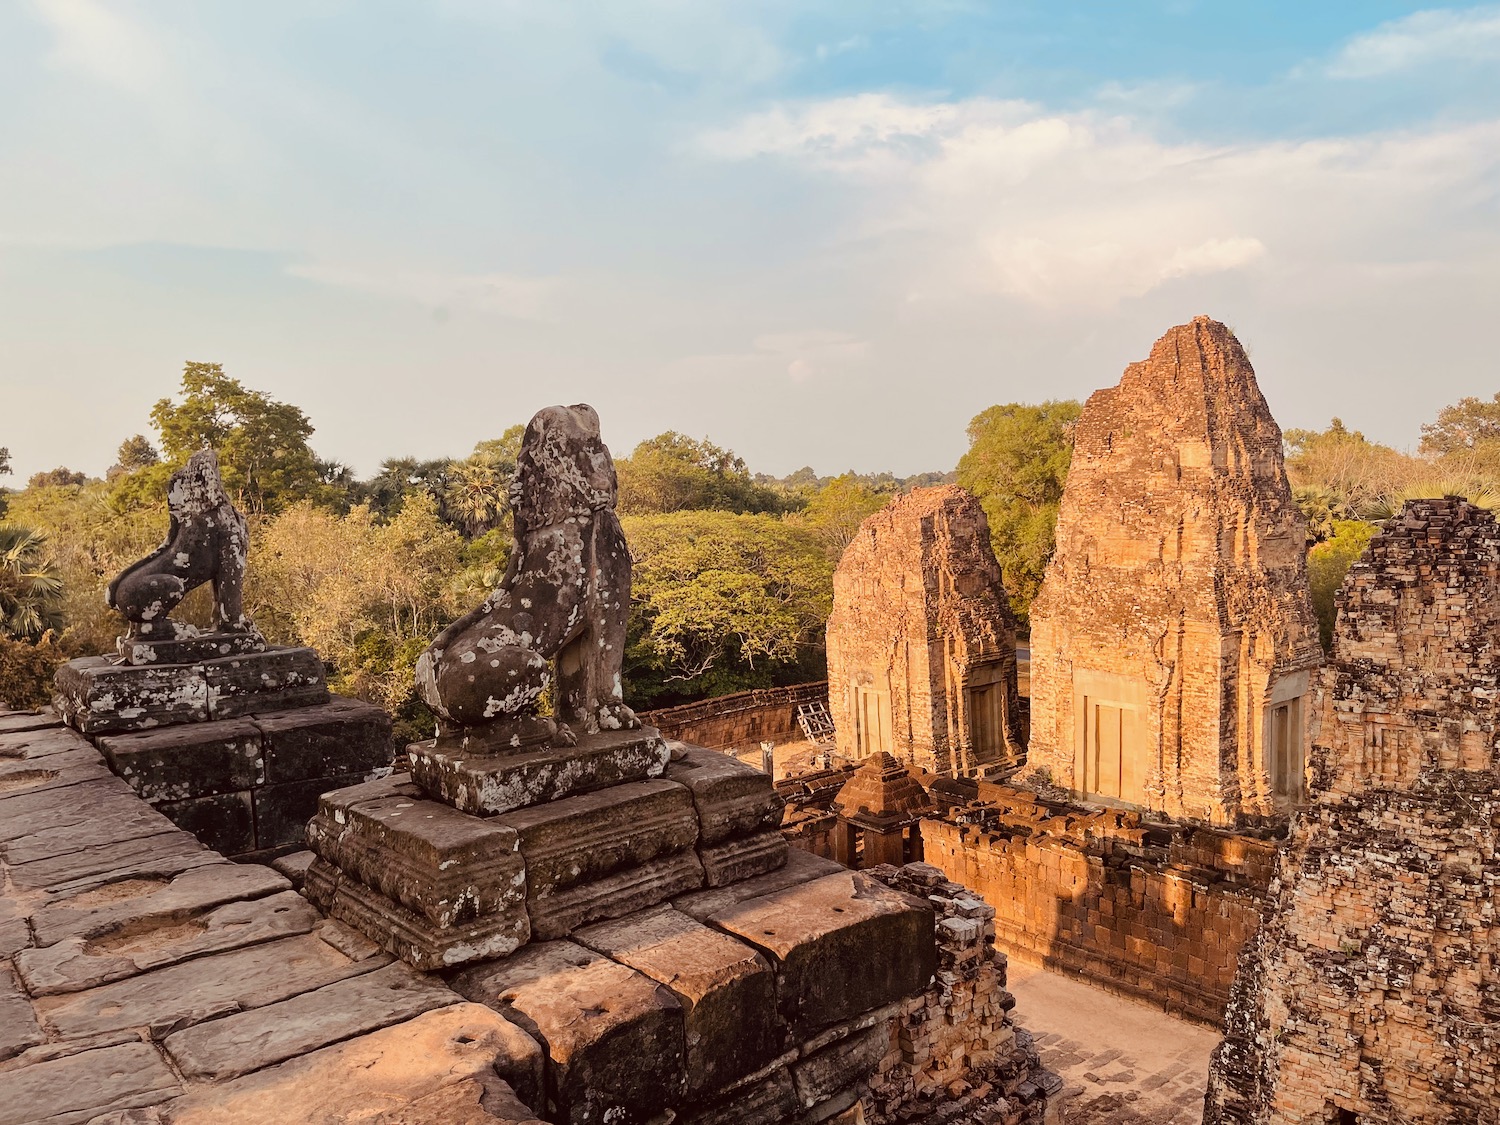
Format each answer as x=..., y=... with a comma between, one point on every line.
x=231, y=738
x=584, y=793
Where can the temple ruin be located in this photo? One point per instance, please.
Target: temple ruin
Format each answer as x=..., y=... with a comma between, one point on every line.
x=1173, y=638
x=1371, y=995
x=921, y=641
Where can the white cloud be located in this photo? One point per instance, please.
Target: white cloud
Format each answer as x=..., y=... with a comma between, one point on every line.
x=1421, y=39
x=523, y=298
x=100, y=43
x=807, y=354
x=1088, y=210
x=799, y=355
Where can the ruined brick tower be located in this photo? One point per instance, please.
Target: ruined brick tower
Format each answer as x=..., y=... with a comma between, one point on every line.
x=1173, y=636
x=921, y=641
x=1372, y=992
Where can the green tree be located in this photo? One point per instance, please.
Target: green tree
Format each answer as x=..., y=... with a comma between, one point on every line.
x=262, y=444
x=1467, y=424
x=836, y=510
x=4, y=472
x=1016, y=465
x=90, y=538
x=1359, y=473
x=1322, y=508
x=369, y=596
x=1327, y=563
x=674, y=473
x=476, y=491
x=400, y=477
x=135, y=453
x=60, y=477
x=30, y=586
x=723, y=602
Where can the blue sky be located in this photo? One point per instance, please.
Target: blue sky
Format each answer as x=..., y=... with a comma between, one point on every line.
x=816, y=233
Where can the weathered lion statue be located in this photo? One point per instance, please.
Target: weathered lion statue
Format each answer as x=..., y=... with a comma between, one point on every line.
x=207, y=541
x=560, y=612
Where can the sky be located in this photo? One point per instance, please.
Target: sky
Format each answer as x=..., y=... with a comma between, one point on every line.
x=815, y=233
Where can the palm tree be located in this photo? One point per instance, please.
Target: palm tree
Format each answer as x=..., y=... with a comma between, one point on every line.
x=476, y=496
x=30, y=587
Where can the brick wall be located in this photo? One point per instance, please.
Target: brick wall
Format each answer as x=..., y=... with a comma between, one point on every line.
x=739, y=721
x=1153, y=911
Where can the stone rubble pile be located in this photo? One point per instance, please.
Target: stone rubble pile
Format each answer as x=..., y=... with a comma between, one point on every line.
x=955, y=1052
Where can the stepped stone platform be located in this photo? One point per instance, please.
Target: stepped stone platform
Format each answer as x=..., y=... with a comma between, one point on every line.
x=235, y=750
x=146, y=980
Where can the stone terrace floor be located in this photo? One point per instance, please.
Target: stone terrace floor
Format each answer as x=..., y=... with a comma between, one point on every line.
x=1122, y=1062
x=140, y=969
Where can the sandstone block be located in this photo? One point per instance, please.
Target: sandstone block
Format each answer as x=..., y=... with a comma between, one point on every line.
x=18, y=1026
x=250, y=1040
x=770, y=1101
x=612, y=896
x=57, y=771
x=274, y=680
x=14, y=933
x=152, y=857
x=129, y=822
x=799, y=867
x=143, y=902
x=842, y=945
x=203, y=988
x=444, y=864
x=735, y=860
x=341, y=736
x=17, y=722
x=613, y=1037
x=282, y=811
x=822, y=1075
x=27, y=812
x=178, y=762
x=501, y=782
x=604, y=854
x=727, y=990
x=731, y=798
x=455, y=1065
x=74, y=1089
x=96, y=696
x=408, y=935
x=80, y=961
x=224, y=822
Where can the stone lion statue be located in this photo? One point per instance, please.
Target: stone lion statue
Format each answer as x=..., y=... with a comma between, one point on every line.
x=207, y=541
x=560, y=612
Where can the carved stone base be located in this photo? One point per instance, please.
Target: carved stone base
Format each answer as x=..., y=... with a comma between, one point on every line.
x=745, y=857
x=406, y=934
x=100, y=695
x=157, y=651
x=614, y=896
x=604, y=854
x=443, y=864
x=537, y=774
x=739, y=815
